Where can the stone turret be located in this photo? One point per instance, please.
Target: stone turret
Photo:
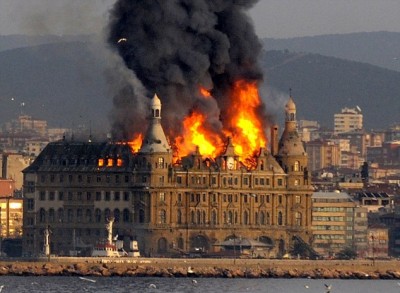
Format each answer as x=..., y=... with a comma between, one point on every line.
x=155, y=140
x=291, y=154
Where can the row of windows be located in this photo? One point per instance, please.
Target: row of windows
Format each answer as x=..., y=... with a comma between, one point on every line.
x=229, y=217
x=71, y=178
x=231, y=198
x=80, y=215
x=228, y=181
x=332, y=227
x=84, y=196
x=331, y=209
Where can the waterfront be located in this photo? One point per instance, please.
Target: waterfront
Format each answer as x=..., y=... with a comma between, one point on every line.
x=211, y=285
x=203, y=268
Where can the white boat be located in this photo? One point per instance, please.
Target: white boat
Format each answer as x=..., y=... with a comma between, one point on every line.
x=112, y=247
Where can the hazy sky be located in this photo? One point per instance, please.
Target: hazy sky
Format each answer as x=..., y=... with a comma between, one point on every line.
x=272, y=18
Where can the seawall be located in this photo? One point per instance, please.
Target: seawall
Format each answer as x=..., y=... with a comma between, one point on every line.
x=213, y=268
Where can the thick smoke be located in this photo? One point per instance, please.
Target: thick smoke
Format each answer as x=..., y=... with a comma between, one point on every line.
x=175, y=46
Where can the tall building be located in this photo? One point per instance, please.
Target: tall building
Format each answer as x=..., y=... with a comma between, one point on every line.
x=338, y=223
x=349, y=120
x=168, y=206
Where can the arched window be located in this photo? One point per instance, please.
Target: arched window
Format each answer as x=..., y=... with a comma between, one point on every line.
x=42, y=216
x=97, y=215
x=180, y=243
x=298, y=218
x=107, y=214
x=117, y=215
x=141, y=216
x=245, y=218
x=51, y=215
x=70, y=215
x=79, y=215
x=262, y=218
x=256, y=221
x=162, y=245
x=60, y=215
x=280, y=218
x=161, y=162
x=198, y=217
x=214, y=217
x=296, y=166
x=126, y=216
x=179, y=217
x=236, y=217
x=203, y=217
x=230, y=217
x=163, y=217
x=88, y=215
x=192, y=218
x=268, y=219
x=157, y=113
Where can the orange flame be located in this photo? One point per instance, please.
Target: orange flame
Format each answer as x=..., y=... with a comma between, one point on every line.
x=205, y=92
x=243, y=123
x=196, y=134
x=136, y=143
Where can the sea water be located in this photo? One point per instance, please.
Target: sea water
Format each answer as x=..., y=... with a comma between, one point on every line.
x=209, y=285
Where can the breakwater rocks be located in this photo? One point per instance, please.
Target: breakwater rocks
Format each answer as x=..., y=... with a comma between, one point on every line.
x=109, y=269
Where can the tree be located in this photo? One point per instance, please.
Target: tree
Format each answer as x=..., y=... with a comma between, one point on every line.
x=347, y=253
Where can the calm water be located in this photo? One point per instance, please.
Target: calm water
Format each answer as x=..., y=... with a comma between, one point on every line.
x=116, y=284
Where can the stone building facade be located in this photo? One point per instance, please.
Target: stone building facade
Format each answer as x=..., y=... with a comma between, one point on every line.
x=171, y=207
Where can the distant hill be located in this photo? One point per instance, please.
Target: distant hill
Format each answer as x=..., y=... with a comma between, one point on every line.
x=377, y=48
x=61, y=82
x=65, y=83
x=324, y=85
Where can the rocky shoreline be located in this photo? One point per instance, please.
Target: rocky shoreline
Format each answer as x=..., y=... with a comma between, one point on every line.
x=193, y=269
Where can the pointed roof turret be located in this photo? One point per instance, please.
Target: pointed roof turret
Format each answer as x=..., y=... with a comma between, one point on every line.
x=155, y=140
x=290, y=142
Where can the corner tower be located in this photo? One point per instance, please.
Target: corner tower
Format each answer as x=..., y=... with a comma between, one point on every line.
x=291, y=154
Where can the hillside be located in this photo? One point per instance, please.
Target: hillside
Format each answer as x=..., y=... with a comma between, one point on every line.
x=61, y=82
x=323, y=85
x=377, y=48
x=65, y=83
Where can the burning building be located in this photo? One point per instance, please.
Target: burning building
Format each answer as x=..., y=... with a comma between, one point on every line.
x=171, y=202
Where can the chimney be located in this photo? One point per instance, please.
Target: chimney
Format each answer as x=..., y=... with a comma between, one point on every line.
x=4, y=166
x=274, y=139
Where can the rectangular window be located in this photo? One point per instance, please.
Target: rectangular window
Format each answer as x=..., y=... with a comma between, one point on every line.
x=80, y=178
x=98, y=178
x=246, y=181
x=107, y=196
x=60, y=195
x=89, y=179
x=70, y=196
x=261, y=181
x=117, y=179
x=61, y=178
x=214, y=180
x=70, y=178
x=42, y=195
x=88, y=196
x=280, y=182
x=126, y=196
x=79, y=195
x=30, y=204
x=179, y=180
x=162, y=196
x=117, y=196
x=126, y=178
x=98, y=196
x=52, y=195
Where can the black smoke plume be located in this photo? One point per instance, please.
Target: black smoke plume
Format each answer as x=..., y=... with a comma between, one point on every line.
x=175, y=46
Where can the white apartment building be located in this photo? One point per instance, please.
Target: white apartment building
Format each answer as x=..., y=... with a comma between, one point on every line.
x=349, y=120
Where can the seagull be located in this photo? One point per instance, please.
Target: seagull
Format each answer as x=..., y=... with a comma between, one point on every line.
x=87, y=279
x=152, y=286
x=194, y=282
x=1, y=288
x=122, y=40
x=306, y=286
x=328, y=288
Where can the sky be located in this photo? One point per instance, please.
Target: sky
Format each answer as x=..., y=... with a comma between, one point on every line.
x=272, y=18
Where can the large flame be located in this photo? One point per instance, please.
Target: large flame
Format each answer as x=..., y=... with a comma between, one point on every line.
x=243, y=122
x=196, y=134
x=136, y=143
